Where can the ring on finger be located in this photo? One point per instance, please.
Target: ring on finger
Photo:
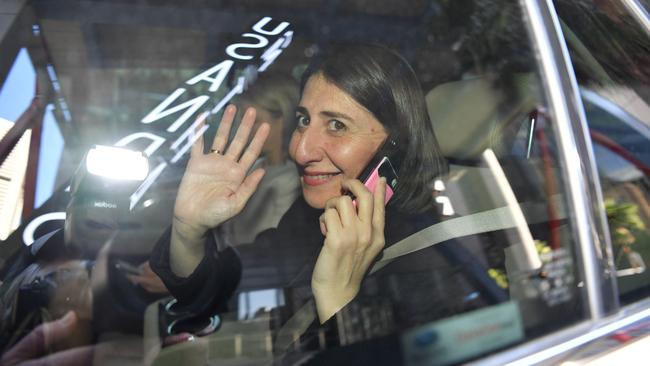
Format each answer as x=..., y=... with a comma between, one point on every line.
x=215, y=151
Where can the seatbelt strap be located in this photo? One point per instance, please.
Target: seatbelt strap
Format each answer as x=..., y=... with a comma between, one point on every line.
x=485, y=221
x=482, y=222
x=291, y=331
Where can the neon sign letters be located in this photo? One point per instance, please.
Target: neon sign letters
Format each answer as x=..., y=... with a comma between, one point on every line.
x=263, y=35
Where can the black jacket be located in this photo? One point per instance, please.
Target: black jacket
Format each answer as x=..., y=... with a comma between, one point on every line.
x=417, y=288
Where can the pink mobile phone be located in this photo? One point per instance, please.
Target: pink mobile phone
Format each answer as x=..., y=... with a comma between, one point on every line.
x=370, y=177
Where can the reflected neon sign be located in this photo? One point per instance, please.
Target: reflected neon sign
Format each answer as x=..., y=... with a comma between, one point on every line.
x=272, y=39
x=215, y=77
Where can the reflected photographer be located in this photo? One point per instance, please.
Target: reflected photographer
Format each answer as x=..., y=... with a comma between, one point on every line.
x=58, y=274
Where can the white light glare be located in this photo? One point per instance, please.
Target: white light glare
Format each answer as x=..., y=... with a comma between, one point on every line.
x=439, y=185
x=117, y=163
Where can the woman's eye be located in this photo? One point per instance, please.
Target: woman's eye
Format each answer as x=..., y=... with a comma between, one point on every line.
x=335, y=125
x=302, y=120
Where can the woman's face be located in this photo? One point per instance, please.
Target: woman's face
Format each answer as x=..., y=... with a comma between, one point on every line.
x=335, y=139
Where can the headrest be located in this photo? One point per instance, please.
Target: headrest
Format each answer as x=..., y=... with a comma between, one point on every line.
x=471, y=115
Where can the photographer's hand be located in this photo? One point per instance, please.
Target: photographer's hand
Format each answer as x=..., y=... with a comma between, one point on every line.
x=214, y=188
x=32, y=349
x=148, y=280
x=353, y=239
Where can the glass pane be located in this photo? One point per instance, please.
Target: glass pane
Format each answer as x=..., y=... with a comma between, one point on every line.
x=645, y=3
x=476, y=258
x=16, y=96
x=609, y=50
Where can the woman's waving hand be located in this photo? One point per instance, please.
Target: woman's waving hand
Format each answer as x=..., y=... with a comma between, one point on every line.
x=215, y=187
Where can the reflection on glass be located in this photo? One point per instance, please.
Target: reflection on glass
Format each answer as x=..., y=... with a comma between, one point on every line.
x=609, y=50
x=117, y=163
x=140, y=75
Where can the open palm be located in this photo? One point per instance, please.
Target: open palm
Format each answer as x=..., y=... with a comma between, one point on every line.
x=215, y=186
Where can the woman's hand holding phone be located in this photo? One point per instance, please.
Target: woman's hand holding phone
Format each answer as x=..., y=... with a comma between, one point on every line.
x=354, y=236
x=215, y=187
x=370, y=177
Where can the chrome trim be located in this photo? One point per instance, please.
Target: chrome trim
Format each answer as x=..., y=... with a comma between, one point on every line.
x=531, y=135
x=555, y=344
x=639, y=14
x=561, y=88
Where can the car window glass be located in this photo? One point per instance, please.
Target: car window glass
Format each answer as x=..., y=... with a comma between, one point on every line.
x=615, y=82
x=495, y=267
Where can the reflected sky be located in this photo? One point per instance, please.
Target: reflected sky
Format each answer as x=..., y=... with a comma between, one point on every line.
x=15, y=97
x=18, y=90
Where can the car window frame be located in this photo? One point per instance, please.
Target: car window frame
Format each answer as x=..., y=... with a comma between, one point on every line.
x=585, y=197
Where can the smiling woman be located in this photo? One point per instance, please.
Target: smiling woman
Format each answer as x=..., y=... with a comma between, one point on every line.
x=355, y=101
x=331, y=146
x=380, y=93
x=540, y=108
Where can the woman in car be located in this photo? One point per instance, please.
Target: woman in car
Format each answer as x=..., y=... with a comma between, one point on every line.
x=355, y=102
